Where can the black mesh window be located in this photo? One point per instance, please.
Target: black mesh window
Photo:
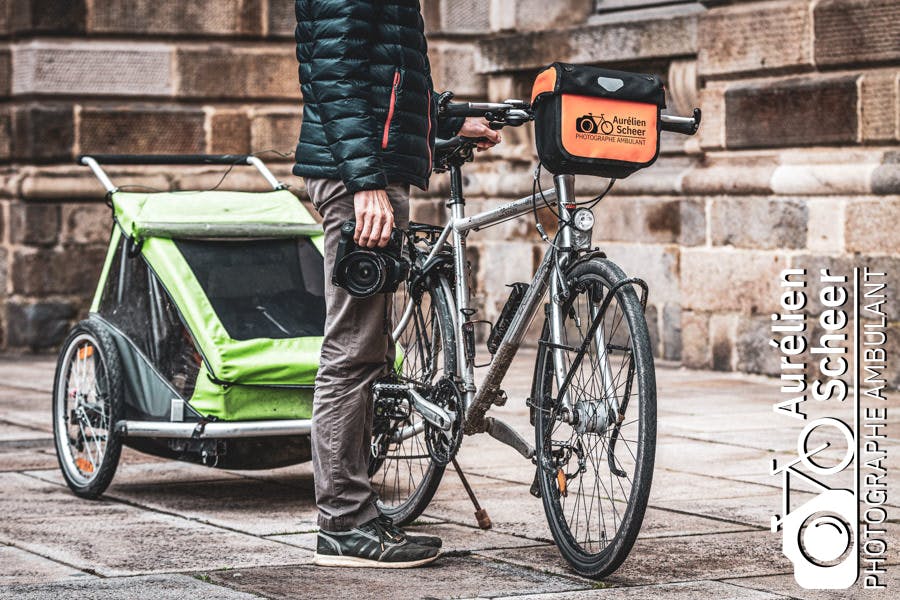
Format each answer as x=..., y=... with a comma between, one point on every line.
x=136, y=303
x=261, y=289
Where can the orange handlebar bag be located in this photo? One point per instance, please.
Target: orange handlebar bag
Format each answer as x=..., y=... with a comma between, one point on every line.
x=593, y=121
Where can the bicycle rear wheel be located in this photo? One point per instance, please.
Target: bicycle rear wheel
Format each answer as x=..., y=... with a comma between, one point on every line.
x=402, y=470
x=595, y=468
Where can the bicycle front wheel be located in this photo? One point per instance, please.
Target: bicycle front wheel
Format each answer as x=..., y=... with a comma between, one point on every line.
x=596, y=449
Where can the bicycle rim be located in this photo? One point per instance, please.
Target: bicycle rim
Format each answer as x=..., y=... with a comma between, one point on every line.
x=595, y=475
x=402, y=470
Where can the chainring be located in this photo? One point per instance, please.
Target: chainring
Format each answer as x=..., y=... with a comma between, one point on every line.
x=443, y=445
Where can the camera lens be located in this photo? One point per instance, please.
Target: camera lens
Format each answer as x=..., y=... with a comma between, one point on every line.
x=363, y=273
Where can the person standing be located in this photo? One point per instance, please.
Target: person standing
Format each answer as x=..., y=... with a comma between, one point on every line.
x=369, y=123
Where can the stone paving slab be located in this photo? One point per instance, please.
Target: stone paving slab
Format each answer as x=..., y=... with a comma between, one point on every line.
x=26, y=407
x=449, y=577
x=19, y=566
x=252, y=506
x=669, y=560
x=786, y=584
x=10, y=432
x=693, y=590
x=157, y=587
x=112, y=538
x=14, y=460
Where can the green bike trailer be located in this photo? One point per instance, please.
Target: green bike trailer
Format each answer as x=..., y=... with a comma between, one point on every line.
x=204, y=333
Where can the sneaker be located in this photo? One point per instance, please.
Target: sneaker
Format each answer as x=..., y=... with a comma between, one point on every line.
x=423, y=540
x=370, y=545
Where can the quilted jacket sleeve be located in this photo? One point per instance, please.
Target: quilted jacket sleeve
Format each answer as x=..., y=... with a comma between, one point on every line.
x=340, y=83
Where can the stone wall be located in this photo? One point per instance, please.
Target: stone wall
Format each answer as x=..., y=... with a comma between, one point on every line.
x=797, y=162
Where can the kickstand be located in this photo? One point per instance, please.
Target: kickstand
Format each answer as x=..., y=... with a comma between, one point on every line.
x=484, y=521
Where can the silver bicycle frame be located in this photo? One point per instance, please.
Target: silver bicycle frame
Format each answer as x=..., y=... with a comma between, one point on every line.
x=478, y=400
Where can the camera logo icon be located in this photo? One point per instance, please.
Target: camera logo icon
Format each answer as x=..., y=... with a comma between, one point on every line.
x=590, y=124
x=820, y=539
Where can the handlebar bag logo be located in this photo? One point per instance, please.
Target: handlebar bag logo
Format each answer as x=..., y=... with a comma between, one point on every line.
x=593, y=121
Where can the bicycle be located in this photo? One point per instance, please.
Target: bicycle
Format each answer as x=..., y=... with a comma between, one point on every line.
x=593, y=399
x=589, y=124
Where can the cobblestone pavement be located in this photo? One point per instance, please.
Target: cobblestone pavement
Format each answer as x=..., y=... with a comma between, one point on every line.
x=172, y=530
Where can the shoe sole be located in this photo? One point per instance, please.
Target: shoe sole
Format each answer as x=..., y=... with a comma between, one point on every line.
x=324, y=560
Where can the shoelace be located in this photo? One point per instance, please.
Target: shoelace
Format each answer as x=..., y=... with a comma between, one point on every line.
x=388, y=524
x=384, y=527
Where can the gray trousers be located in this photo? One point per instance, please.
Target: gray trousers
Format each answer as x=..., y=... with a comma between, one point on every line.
x=356, y=351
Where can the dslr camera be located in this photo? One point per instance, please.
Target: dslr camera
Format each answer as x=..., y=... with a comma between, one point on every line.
x=364, y=272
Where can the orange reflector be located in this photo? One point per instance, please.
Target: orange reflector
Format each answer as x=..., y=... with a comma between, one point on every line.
x=84, y=465
x=85, y=352
x=561, y=482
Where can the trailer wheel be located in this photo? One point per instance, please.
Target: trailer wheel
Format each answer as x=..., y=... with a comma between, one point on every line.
x=87, y=401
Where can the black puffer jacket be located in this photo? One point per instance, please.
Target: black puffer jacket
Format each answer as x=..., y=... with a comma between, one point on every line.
x=369, y=115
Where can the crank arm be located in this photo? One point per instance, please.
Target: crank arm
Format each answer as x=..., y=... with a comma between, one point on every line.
x=431, y=412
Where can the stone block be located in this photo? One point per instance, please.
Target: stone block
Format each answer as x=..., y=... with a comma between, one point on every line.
x=885, y=178
x=43, y=16
x=655, y=264
x=423, y=210
x=40, y=325
x=232, y=72
x=465, y=16
x=767, y=223
x=754, y=354
x=229, y=132
x=34, y=224
x=5, y=134
x=43, y=132
x=712, y=102
x=755, y=36
x=5, y=72
x=174, y=17
x=453, y=68
x=849, y=32
x=725, y=280
x=672, y=33
x=792, y=112
x=695, y=339
x=70, y=270
x=825, y=227
x=722, y=337
x=869, y=226
x=282, y=20
x=275, y=130
x=670, y=327
x=639, y=219
x=142, y=129
x=693, y=223
x=85, y=223
x=879, y=106
x=4, y=270
x=92, y=68
x=540, y=15
x=844, y=265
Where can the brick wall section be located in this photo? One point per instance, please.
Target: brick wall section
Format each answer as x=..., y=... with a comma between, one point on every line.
x=797, y=162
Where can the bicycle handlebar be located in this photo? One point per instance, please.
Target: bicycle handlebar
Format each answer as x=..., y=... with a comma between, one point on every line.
x=683, y=125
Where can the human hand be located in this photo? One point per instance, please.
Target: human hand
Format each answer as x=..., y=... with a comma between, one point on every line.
x=474, y=127
x=374, y=218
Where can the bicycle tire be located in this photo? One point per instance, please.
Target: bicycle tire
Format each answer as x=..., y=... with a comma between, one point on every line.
x=586, y=276
x=88, y=334
x=407, y=510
